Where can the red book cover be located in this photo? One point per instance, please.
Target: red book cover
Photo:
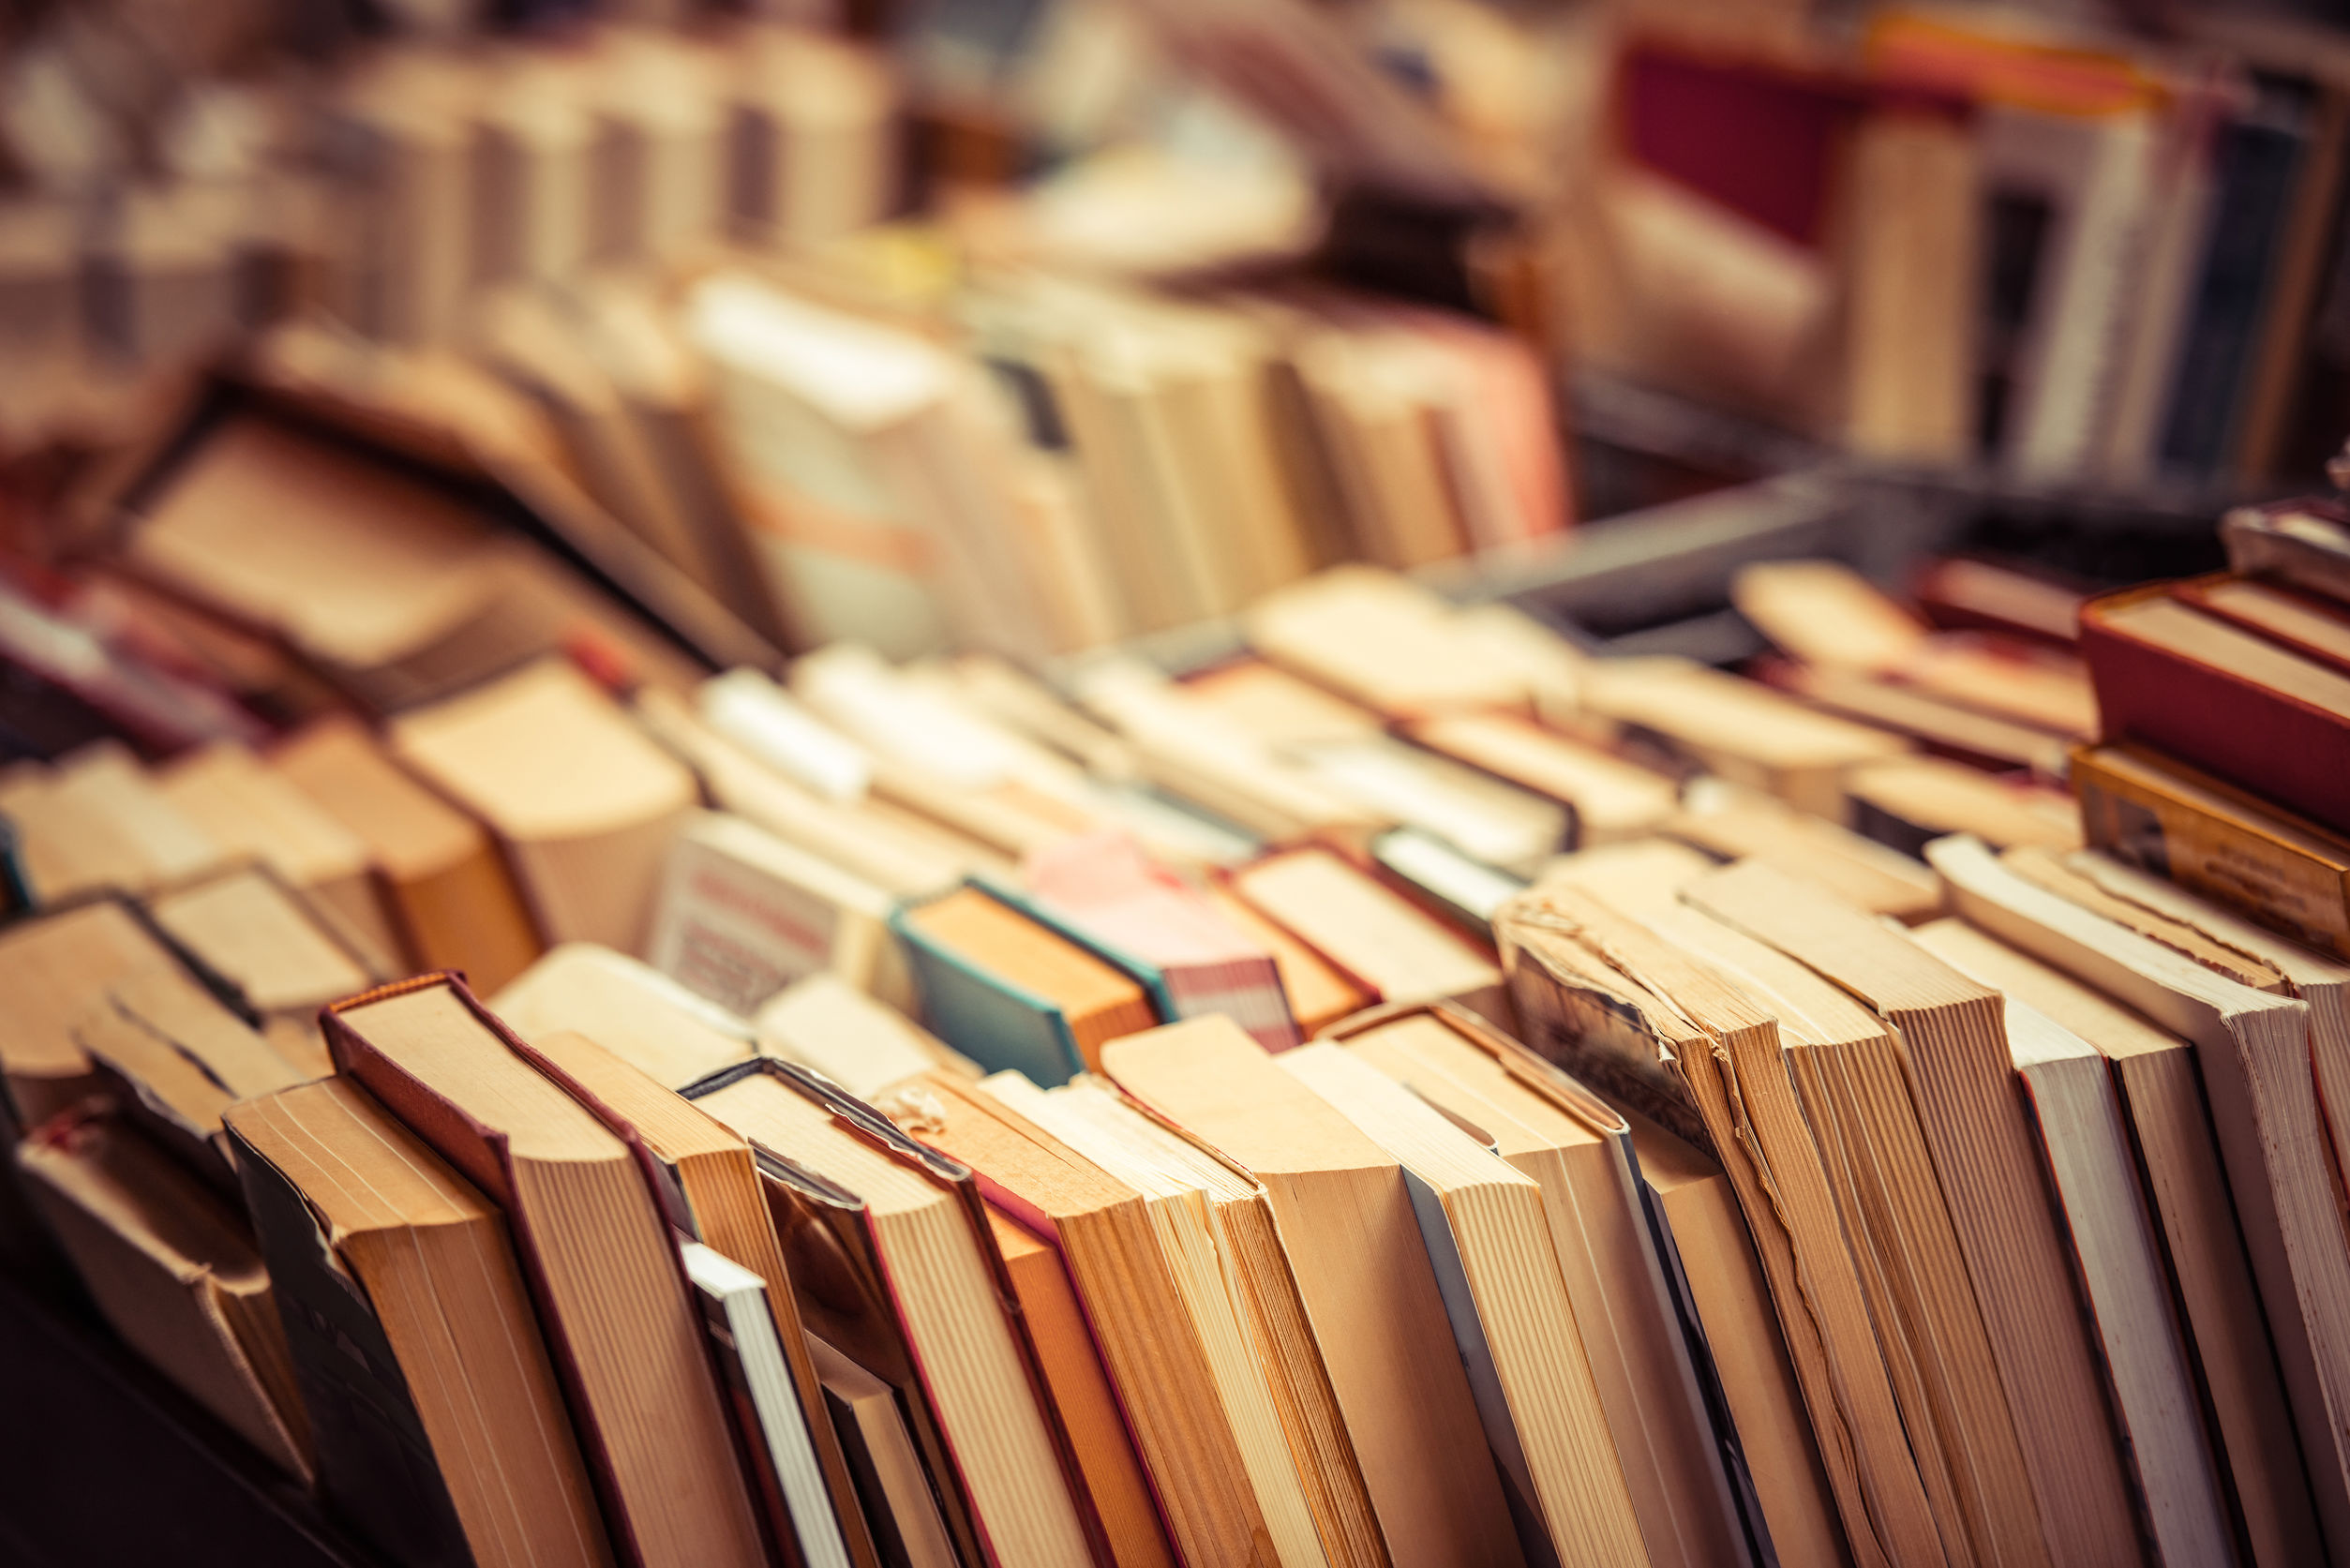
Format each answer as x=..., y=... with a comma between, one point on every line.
x=2205, y=692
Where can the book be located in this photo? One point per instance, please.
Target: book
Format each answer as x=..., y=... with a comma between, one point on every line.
x=2311, y=626
x=1382, y=941
x=249, y=928
x=596, y=1251
x=1740, y=730
x=582, y=802
x=1991, y=1177
x=1908, y=801
x=1318, y=993
x=1437, y=876
x=1082, y=1389
x=1202, y=1207
x=95, y=823
x=1011, y=992
x=632, y=1008
x=412, y=1335
x=1729, y=1306
x=249, y=808
x=1577, y=1151
x=1611, y=799
x=448, y=894
x=740, y=914
x=1168, y=1328
x=804, y=1487
x=1655, y=1027
x=917, y=1282
x=1482, y=1223
x=1824, y=613
x=1362, y=1272
x=1938, y=724
x=175, y=1058
x=897, y=1499
x=2227, y=846
x=2303, y=542
x=2222, y=699
x=1104, y=885
x=1379, y=640
x=2253, y=1050
x=2196, y=1245
x=1735, y=824
x=173, y=1266
x=53, y=964
x=861, y=1043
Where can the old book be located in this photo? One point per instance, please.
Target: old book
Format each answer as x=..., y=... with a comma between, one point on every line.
x=596, y=1248
x=412, y=1335
x=1201, y=1417
x=2253, y=1049
x=583, y=803
x=1081, y=1388
x=896, y=1492
x=1991, y=1176
x=1482, y=1223
x=1736, y=824
x=741, y=914
x=917, y=1284
x=1910, y=802
x=1823, y=612
x=890, y=851
x=1937, y=724
x=1362, y=1271
x=863, y=1045
x=1204, y=1208
x=1731, y=1303
x=2304, y=543
x=250, y=808
x=2283, y=871
x=1917, y=218
x=449, y=894
x=1612, y=798
x=95, y=822
x=1346, y=750
x=247, y=928
x=1382, y=641
x=715, y=1172
x=1787, y=1095
x=54, y=966
x=1103, y=886
x=815, y=137
x=632, y=1009
x=2308, y=625
x=2199, y=1250
x=1577, y=1151
x=172, y=1264
x=1374, y=935
x=1743, y=731
x=176, y=1058
x=1438, y=877
x=2222, y=699
x=1011, y=992
x=1319, y=992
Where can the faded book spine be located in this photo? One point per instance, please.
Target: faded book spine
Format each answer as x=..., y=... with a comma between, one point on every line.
x=2281, y=872
x=736, y=936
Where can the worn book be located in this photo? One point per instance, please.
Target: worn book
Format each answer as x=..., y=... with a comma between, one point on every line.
x=413, y=1338
x=596, y=1249
x=629, y=1007
x=863, y=1045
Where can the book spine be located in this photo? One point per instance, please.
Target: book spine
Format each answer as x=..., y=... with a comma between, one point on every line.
x=2228, y=861
x=2294, y=754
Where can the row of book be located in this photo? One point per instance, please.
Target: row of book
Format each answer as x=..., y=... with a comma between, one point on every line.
x=1771, y=1277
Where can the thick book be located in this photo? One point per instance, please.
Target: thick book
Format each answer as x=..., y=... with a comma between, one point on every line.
x=891, y=1483
x=1481, y=1220
x=1654, y=1376
x=596, y=1250
x=2225, y=700
x=2285, y=872
x=2253, y=1048
x=52, y=967
x=412, y=1338
x=630, y=1007
x=1013, y=993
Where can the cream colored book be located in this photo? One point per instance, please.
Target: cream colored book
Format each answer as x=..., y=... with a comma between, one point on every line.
x=863, y=1044
x=1482, y=1223
x=1371, y=932
x=583, y=802
x=672, y=1034
x=1382, y=640
x=53, y=968
x=1612, y=799
x=1735, y=824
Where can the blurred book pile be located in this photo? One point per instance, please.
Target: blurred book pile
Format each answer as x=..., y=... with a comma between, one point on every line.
x=861, y=789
